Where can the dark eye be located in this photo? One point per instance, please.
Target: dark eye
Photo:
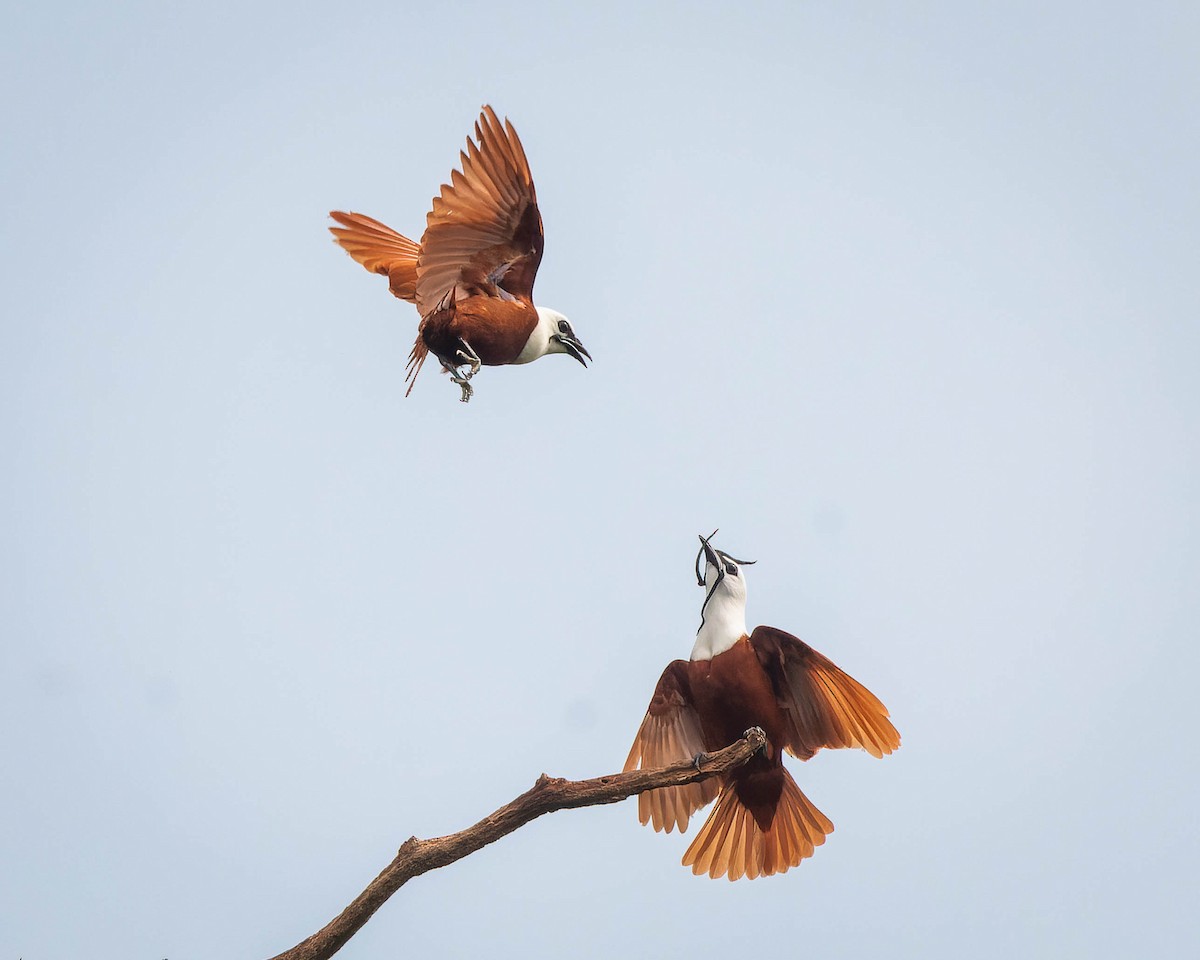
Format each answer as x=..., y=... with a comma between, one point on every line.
x=731, y=569
x=564, y=327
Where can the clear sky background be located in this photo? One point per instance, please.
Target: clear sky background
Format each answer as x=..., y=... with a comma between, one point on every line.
x=902, y=297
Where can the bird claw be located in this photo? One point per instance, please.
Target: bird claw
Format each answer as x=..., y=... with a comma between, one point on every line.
x=699, y=759
x=467, y=390
x=475, y=365
x=471, y=357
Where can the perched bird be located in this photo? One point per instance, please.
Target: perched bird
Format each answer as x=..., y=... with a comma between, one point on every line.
x=762, y=823
x=471, y=276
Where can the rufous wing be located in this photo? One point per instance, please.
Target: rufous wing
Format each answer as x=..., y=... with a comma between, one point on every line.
x=669, y=733
x=824, y=706
x=484, y=233
x=380, y=249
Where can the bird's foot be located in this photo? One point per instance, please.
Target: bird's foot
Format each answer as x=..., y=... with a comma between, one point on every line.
x=467, y=390
x=699, y=760
x=757, y=733
x=469, y=356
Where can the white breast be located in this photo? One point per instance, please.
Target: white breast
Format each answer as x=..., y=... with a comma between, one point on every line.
x=724, y=625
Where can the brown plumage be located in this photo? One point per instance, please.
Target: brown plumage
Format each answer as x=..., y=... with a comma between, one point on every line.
x=381, y=250
x=762, y=823
x=471, y=277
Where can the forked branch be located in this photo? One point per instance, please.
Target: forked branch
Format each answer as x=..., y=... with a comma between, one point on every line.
x=547, y=795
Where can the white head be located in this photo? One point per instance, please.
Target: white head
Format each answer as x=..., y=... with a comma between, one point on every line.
x=723, y=616
x=553, y=334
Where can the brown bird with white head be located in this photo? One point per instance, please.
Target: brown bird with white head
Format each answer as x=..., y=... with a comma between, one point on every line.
x=762, y=823
x=471, y=276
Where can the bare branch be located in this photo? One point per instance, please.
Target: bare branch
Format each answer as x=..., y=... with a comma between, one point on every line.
x=547, y=795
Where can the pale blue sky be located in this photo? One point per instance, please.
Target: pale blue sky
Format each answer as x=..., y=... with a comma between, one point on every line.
x=902, y=297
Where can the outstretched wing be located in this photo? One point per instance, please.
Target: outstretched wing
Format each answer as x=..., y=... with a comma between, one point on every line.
x=670, y=733
x=380, y=249
x=824, y=707
x=484, y=233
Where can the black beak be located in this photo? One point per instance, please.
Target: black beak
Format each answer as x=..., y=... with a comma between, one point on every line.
x=716, y=557
x=574, y=348
x=709, y=554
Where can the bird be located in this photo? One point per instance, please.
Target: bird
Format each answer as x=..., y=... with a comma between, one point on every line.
x=471, y=276
x=762, y=823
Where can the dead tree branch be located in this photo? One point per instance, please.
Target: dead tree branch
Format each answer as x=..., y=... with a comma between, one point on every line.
x=547, y=795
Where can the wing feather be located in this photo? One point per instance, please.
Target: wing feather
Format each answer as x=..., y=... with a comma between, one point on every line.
x=483, y=234
x=824, y=706
x=670, y=732
x=380, y=249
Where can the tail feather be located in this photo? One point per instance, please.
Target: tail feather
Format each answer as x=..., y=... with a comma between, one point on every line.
x=416, y=360
x=380, y=249
x=732, y=843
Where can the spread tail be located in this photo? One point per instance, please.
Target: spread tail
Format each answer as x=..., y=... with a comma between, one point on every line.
x=732, y=840
x=380, y=249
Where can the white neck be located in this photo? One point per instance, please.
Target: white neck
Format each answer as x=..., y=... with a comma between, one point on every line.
x=724, y=624
x=539, y=343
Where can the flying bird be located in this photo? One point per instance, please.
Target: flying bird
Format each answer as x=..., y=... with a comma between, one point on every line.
x=762, y=823
x=471, y=276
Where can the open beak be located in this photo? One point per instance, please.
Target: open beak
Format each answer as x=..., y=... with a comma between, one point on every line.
x=574, y=348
